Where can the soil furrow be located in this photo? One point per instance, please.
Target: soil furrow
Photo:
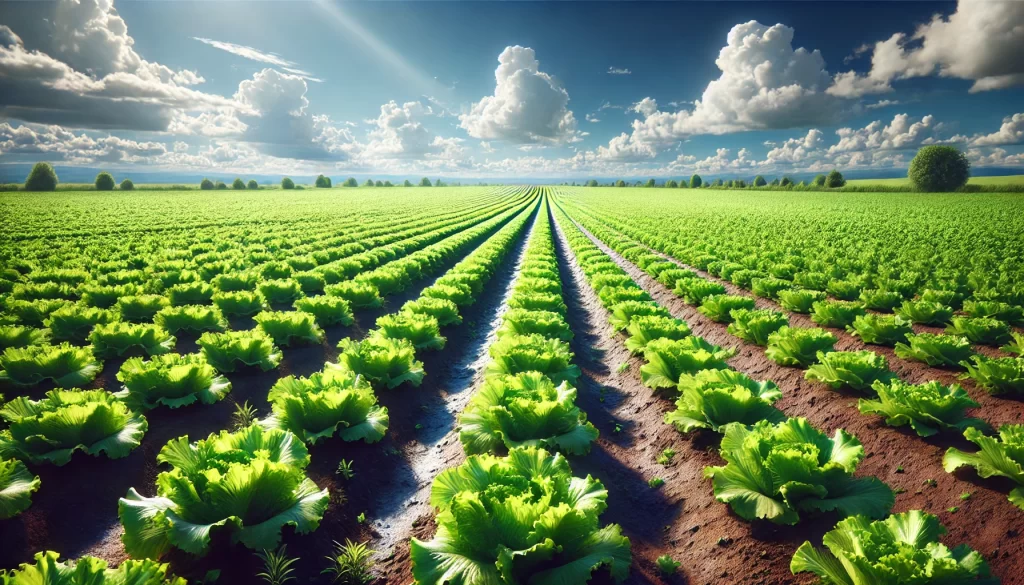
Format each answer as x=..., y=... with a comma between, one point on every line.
x=986, y=521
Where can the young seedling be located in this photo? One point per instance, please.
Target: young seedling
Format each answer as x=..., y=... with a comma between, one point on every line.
x=666, y=456
x=656, y=482
x=667, y=565
x=623, y=367
x=350, y=564
x=244, y=416
x=277, y=566
x=345, y=469
x=361, y=518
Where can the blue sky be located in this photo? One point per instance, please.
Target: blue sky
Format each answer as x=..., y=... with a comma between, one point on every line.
x=580, y=89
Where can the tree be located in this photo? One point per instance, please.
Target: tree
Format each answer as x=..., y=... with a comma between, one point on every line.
x=221, y=185
x=834, y=180
x=438, y=183
x=620, y=183
x=388, y=184
x=238, y=184
x=350, y=182
x=718, y=183
x=939, y=168
x=775, y=182
x=695, y=181
x=206, y=185
x=683, y=183
x=671, y=184
x=651, y=183
x=740, y=184
x=802, y=184
x=820, y=180
x=786, y=182
x=759, y=181
x=407, y=183
x=730, y=183
x=322, y=182
x=368, y=183
x=378, y=183
x=253, y=184
x=592, y=183
x=42, y=177
x=104, y=181
x=425, y=182
x=287, y=183
x=127, y=185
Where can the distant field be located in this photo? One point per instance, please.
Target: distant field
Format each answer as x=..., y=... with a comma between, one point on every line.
x=1005, y=180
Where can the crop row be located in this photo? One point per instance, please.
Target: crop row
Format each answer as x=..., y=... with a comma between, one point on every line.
x=776, y=468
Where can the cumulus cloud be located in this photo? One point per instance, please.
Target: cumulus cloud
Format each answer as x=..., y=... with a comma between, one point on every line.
x=980, y=42
x=997, y=157
x=398, y=134
x=645, y=107
x=724, y=161
x=619, y=71
x=592, y=118
x=621, y=148
x=528, y=105
x=1011, y=132
x=87, y=74
x=797, y=150
x=901, y=133
x=55, y=143
x=883, y=104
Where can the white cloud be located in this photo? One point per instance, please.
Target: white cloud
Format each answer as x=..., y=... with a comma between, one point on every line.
x=901, y=133
x=797, y=150
x=592, y=118
x=254, y=54
x=528, y=105
x=621, y=148
x=980, y=42
x=645, y=107
x=724, y=161
x=212, y=124
x=1011, y=132
x=883, y=104
x=55, y=143
x=997, y=157
x=619, y=71
x=398, y=134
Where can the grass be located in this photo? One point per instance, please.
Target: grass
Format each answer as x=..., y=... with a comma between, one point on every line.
x=1005, y=180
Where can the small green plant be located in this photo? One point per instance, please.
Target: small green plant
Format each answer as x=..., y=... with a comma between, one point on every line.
x=361, y=518
x=666, y=456
x=345, y=469
x=350, y=564
x=244, y=416
x=953, y=509
x=656, y=482
x=623, y=367
x=965, y=496
x=667, y=565
x=277, y=566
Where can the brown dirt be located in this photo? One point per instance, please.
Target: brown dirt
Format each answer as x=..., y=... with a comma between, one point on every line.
x=760, y=553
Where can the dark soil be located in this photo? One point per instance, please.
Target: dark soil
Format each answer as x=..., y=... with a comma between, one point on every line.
x=759, y=553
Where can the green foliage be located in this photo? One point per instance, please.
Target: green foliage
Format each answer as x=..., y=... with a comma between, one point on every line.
x=622, y=314
x=797, y=346
x=667, y=565
x=834, y=179
x=1006, y=312
x=52, y=429
x=527, y=322
x=925, y=312
x=1016, y=346
x=206, y=185
x=754, y=326
x=118, y=339
x=836, y=314
x=351, y=563
x=390, y=362
x=445, y=311
x=779, y=471
x=902, y=549
x=714, y=398
x=880, y=329
x=983, y=330
x=327, y=310
x=42, y=177
x=361, y=295
x=191, y=319
x=997, y=375
x=19, y=336
x=1001, y=456
x=322, y=182
x=105, y=182
x=50, y=570
x=252, y=184
x=350, y=182
x=127, y=185
x=283, y=291
x=287, y=183
x=238, y=184
x=190, y=293
x=928, y=408
x=277, y=566
x=935, y=350
x=668, y=359
x=65, y=365
x=695, y=181
x=16, y=488
x=75, y=322
x=769, y=288
x=242, y=303
x=288, y=328
x=250, y=484
x=719, y=307
x=857, y=370
x=880, y=300
x=517, y=519
x=333, y=402
x=516, y=354
x=423, y=331
x=231, y=350
x=425, y=182
x=172, y=380
x=645, y=329
x=939, y=168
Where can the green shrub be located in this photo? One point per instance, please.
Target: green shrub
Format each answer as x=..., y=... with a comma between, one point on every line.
x=42, y=177
x=206, y=185
x=104, y=182
x=834, y=179
x=237, y=184
x=939, y=168
x=127, y=185
x=287, y=183
x=252, y=184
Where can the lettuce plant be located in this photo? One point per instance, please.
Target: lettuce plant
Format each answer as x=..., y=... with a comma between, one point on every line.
x=283, y=291
x=50, y=570
x=50, y=430
x=623, y=313
x=538, y=301
x=611, y=295
x=995, y=310
x=857, y=370
x=711, y=399
x=643, y=330
x=236, y=281
x=333, y=402
x=172, y=380
x=445, y=311
x=527, y=322
x=105, y=297
x=925, y=312
x=769, y=288
x=65, y=365
x=719, y=308
x=33, y=313
x=327, y=310
x=310, y=282
x=778, y=471
x=515, y=354
x=250, y=483
x=935, y=350
x=191, y=319
x=518, y=519
x=997, y=375
x=422, y=330
x=671, y=276
x=525, y=410
x=928, y=408
x=391, y=362
x=1016, y=346
x=694, y=290
x=983, y=330
x=880, y=329
x=240, y=303
x=668, y=359
x=880, y=300
x=140, y=308
x=1001, y=456
x=950, y=298
x=526, y=284
x=798, y=346
x=288, y=328
x=361, y=295
x=232, y=350
x=755, y=325
x=120, y=339
x=20, y=336
x=844, y=290
x=903, y=549
x=800, y=300
x=16, y=488
x=458, y=293
x=190, y=293
x=74, y=322
x=837, y=314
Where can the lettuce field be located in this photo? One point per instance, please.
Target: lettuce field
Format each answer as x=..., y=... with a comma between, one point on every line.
x=511, y=385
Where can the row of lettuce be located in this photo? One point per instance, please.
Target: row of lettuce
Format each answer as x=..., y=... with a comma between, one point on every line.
x=928, y=408
x=777, y=468
x=513, y=512
x=213, y=483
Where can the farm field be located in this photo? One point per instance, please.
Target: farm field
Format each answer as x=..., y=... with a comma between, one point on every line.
x=514, y=384
x=1002, y=180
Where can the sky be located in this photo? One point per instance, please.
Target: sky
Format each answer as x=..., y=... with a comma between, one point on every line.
x=509, y=89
